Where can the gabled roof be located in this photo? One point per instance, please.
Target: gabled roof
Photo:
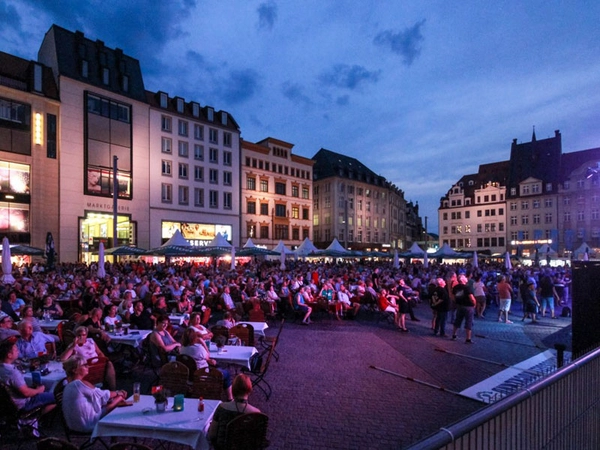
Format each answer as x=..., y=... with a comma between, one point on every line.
x=18, y=73
x=331, y=164
x=66, y=51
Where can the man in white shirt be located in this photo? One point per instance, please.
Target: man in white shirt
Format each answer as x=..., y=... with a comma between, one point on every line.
x=343, y=298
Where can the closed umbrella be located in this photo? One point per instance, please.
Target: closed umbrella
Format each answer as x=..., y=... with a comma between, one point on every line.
x=475, y=260
x=6, y=263
x=101, y=270
x=396, y=261
x=426, y=261
x=282, y=260
x=232, y=257
x=507, y=263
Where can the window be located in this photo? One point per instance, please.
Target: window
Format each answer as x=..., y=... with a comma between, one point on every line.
x=281, y=232
x=264, y=209
x=524, y=220
x=295, y=212
x=295, y=191
x=536, y=204
x=566, y=200
x=280, y=210
x=567, y=216
x=213, y=136
x=251, y=183
x=183, y=195
x=199, y=152
x=251, y=207
x=264, y=232
x=513, y=191
x=183, y=171
x=213, y=155
x=213, y=199
x=467, y=214
x=105, y=76
x=548, y=187
x=536, y=219
x=305, y=193
x=213, y=176
x=535, y=188
x=580, y=216
x=199, y=197
x=513, y=206
x=166, y=123
x=479, y=228
x=227, y=139
x=513, y=220
x=166, y=145
x=198, y=173
x=524, y=204
x=227, y=157
x=227, y=200
x=166, y=167
x=198, y=132
x=264, y=185
x=280, y=188
x=84, y=68
x=51, y=136
x=183, y=128
x=166, y=193
x=305, y=214
x=548, y=218
x=183, y=149
x=227, y=177
x=525, y=190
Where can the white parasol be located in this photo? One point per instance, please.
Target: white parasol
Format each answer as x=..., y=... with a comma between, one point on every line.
x=475, y=260
x=6, y=263
x=101, y=270
x=233, y=257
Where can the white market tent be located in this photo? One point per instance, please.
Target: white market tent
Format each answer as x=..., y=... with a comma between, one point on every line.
x=306, y=248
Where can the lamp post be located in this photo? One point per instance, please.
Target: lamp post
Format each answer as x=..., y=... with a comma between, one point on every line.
x=115, y=199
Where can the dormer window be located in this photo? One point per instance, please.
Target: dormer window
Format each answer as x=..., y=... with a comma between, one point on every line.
x=223, y=118
x=84, y=68
x=105, y=76
x=195, y=109
x=179, y=105
x=210, y=114
x=163, y=100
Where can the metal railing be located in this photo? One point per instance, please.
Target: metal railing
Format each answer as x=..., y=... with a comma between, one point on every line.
x=561, y=411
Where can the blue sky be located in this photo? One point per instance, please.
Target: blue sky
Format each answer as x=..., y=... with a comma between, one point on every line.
x=422, y=92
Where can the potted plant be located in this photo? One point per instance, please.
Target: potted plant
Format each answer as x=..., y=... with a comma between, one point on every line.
x=160, y=399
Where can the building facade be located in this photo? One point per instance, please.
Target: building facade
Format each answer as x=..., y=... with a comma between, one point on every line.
x=195, y=168
x=29, y=167
x=276, y=194
x=358, y=207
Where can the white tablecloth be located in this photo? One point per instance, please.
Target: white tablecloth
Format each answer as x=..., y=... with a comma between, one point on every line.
x=134, y=338
x=51, y=380
x=259, y=328
x=177, y=319
x=188, y=427
x=49, y=325
x=233, y=354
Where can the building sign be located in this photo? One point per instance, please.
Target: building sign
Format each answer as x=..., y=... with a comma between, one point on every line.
x=197, y=233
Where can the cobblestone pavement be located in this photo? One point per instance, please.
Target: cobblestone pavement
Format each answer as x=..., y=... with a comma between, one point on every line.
x=327, y=396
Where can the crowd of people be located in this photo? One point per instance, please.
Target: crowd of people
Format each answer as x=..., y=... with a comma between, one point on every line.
x=143, y=295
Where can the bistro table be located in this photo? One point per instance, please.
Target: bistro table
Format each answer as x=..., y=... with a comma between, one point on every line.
x=133, y=338
x=141, y=420
x=233, y=354
x=177, y=319
x=50, y=325
x=49, y=381
x=259, y=327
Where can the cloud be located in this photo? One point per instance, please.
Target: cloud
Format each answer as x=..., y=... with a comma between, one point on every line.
x=343, y=100
x=295, y=93
x=239, y=86
x=404, y=43
x=267, y=14
x=9, y=17
x=348, y=77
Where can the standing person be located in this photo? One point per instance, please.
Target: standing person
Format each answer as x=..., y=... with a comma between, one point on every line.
x=440, y=303
x=505, y=293
x=547, y=294
x=465, y=305
x=530, y=302
x=479, y=292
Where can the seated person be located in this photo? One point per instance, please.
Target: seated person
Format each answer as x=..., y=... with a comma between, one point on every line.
x=141, y=317
x=227, y=411
x=300, y=305
x=112, y=318
x=51, y=308
x=344, y=303
x=15, y=302
x=195, y=324
x=6, y=326
x=161, y=338
x=27, y=314
x=86, y=404
x=31, y=344
x=94, y=324
x=227, y=321
x=24, y=397
x=86, y=348
x=125, y=309
x=194, y=346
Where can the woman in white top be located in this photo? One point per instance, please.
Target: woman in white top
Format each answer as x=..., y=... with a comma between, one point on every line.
x=195, y=325
x=87, y=348
x=479, y=292
x=84, y=404
x=112, y=317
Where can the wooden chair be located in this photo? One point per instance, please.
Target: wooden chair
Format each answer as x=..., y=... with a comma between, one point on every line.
x=51, y=443
x=189, y=362
x=258, y=370
x=207, y=383
x=50, y=349
x=219, y=330
x=60, y=328
x=96, y=370
x=244, y=332
x=25, y=423
x=269, y=342
x=247, y=431
x=256, y=315
x=174, y=377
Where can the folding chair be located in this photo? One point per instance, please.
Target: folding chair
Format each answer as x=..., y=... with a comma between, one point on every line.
x=174, y=376
x=244, y=332
x=258, y=370
x=207, y=383
x=247, y=431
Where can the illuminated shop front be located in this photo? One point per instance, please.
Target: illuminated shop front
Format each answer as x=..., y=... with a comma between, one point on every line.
x=97, y=227
x=14, y=202
x=197, y=234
